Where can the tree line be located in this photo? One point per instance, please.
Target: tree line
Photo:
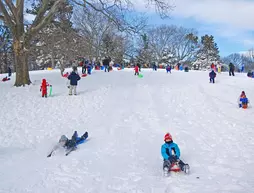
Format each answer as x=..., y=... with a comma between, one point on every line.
x=64, y=31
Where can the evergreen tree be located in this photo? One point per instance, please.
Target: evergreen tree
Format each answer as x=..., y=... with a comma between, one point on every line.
x=207, y=54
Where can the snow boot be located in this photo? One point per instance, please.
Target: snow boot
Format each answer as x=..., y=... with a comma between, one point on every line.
x=166, y=171
x=185, y=168
x=84, y=136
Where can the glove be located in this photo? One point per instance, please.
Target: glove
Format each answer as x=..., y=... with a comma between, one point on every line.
x=172, y=159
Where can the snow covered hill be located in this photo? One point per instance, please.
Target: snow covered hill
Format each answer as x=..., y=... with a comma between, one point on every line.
x=127, y=118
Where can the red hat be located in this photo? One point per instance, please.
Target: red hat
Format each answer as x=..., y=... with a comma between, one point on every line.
x=167, y=137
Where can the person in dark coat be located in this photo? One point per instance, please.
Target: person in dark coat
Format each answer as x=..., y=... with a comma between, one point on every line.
x=74, y=78
x=9, y=71
x=231, y=69
x=212, y=76
x=106, y=62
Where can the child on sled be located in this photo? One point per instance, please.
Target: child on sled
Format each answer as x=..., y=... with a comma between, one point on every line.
x=171, y=155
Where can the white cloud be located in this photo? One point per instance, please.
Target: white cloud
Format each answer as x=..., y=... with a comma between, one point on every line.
x=232, y=19
x=234, y=13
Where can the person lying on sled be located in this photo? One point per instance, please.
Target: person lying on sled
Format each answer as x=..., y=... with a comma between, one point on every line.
x=70, y=144
x=171, y=154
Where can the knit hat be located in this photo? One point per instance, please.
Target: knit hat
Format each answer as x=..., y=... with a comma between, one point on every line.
x=168, y=137
x=63, y=139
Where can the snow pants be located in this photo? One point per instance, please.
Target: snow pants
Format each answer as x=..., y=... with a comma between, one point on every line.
x=167, y=163
x=136, y=73
x=231, y=72
x=74, y=88
x=44, y=93
x=212, y=80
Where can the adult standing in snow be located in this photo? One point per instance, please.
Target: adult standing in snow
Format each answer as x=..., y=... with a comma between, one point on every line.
x=74, y=78
x=9, y=71
x=106, y=62
x=231, y=69
x=242, y=68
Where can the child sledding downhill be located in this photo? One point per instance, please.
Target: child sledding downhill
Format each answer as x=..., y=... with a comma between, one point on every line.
x=243, y=101
x=212, y=76
x=43, y=89
x=171, y=155
x=69, y=144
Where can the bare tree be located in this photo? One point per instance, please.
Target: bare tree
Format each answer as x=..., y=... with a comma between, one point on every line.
x=6, y=51
x=92, y=26
x=179, y=41
x=236, y=58
x=54, y=45
x=161, y=39
x=13, y=16
x=251, y=54
x=185, y=44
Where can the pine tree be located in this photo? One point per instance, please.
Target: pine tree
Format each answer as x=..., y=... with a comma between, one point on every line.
x=207, y=54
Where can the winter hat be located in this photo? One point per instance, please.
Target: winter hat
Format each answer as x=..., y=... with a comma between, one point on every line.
x=63, y=139
x=168, y=137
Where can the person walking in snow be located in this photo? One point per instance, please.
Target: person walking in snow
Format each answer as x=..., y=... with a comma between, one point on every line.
x=9, y=71
x=69, y=144
x=74, y=78
x=212, y=76
x=171, y=154
x=231, y=69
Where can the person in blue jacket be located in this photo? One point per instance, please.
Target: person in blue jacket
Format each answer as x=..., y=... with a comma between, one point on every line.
x=74, y=78
x=70, y=144
x=171, y=154
x=212, y=76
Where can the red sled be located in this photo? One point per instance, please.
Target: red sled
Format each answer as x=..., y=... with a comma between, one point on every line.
x=66, y=75
x=174, y=167
x=83, y=75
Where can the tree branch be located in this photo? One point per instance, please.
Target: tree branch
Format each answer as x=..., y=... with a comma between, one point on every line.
x=46, y=19
x=7, y=17
x=41, y=12
x=20, y=11
x=12, y=8
x=2, y=17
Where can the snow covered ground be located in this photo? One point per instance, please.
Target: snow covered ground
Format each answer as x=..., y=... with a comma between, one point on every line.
x=126, y=118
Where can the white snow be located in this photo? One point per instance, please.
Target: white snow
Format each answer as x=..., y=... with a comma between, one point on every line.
x=127, y=118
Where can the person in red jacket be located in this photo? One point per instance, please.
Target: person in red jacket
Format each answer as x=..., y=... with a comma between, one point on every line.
x=136, y=68
x=43, y=89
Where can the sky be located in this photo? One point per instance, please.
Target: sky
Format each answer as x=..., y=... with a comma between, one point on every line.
x=229, y=21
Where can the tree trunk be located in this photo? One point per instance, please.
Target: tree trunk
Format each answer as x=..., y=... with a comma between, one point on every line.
x=53, y=61
x=21, y=64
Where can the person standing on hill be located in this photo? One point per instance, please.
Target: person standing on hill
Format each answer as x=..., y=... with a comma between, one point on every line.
x=231, y=69
x=136, y=69
x=74, y=78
